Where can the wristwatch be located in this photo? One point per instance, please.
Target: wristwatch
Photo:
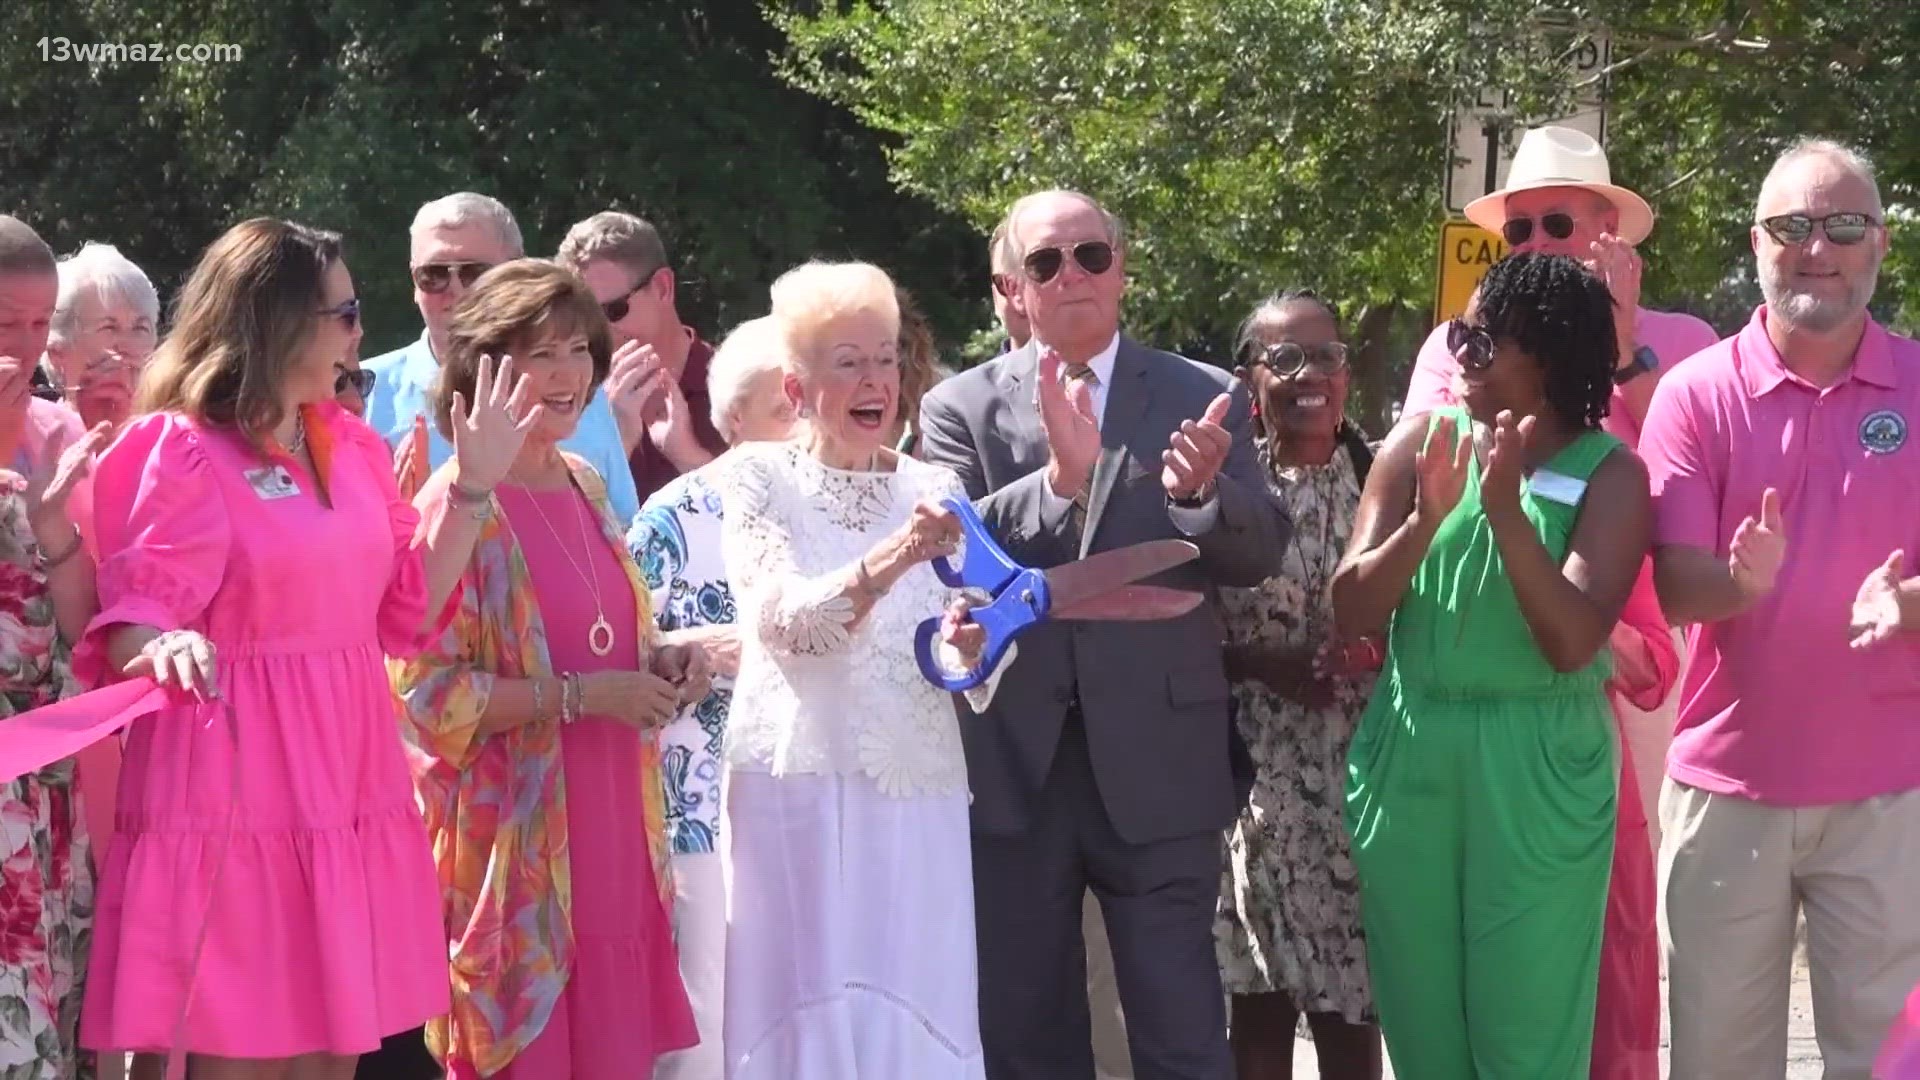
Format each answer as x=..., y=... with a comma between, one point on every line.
x=1644, y=360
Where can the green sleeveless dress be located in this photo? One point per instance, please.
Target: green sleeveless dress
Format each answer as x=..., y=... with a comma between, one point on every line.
x=1480, y=797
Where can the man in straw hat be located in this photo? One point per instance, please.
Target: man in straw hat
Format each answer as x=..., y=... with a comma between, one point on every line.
x=1560, y=199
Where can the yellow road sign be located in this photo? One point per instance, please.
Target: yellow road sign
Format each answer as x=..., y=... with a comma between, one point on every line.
x=1466, y=253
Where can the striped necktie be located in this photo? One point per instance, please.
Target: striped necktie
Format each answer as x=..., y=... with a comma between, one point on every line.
x=1077, y=373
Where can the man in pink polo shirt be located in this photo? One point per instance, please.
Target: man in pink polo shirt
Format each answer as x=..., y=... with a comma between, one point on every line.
x=1786, y=480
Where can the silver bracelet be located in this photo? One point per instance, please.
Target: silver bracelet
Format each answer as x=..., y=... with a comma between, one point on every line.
x=539, y=699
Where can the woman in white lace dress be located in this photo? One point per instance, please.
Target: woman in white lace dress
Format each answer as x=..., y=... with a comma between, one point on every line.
x=850, y=948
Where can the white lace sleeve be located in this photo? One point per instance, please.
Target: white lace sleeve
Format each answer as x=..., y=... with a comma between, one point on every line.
x=789, y=611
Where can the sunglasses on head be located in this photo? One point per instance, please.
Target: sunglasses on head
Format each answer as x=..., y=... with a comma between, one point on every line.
x=436, y=277
x=361, y=380
x=1518, y=231
x=347, y=311
x=1844, y=229
x=1044, y=264
x=1289, y=358
x=1471, y=345
x=617, y=308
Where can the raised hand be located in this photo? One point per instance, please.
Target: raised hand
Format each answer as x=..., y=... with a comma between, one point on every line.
x=1506, y=462
x=1759, y=549
x=60, y=470
x=1614, y=261
x=634, y=384
x=670, y=429
x=487, y=440
x=1876, y=607
x=1196, y=451
x=1441, y=470
x=1073, y=433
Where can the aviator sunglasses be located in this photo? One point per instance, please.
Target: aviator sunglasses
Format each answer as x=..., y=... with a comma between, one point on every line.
x=1845, y=229
x=434, y=278
x=1520, y=230
x=1472, y=345
x=617, y=308
x=1044, y=264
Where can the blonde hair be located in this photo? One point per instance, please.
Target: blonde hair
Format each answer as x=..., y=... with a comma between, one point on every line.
x=810, y=297
x=241, y=324
x=752, y=349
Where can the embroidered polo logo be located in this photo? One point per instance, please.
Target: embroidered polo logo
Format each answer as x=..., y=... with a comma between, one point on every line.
x=1883, y=432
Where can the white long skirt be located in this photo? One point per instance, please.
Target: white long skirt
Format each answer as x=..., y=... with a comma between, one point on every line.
x=850, y=945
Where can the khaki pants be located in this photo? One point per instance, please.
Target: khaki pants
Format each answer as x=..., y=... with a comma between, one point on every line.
x=1733, y=872
x=1111, y=1058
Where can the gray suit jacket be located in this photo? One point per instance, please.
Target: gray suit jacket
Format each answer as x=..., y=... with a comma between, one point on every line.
x=1153, y=694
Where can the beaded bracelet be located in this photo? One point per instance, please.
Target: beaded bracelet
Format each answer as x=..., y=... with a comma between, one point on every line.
x=539, y=699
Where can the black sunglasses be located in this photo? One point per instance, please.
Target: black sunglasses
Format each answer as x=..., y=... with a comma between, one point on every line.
x=347, y=311
x=1044, y=264
x=617, y=308
x=435, y=277
x=361, y=380
x=1471, y=345
x=1519, y=230
x=1288, y=358
x=1844, y=229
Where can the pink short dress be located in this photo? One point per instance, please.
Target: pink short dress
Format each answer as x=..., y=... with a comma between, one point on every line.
x=624, y=1003
x=284, y=817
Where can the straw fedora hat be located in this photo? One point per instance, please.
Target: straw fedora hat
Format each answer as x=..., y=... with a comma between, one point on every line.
x=1562, y=157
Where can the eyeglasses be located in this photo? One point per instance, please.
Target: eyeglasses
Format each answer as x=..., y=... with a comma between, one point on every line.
x=361, y=380
x=1471, y=345
x=347, y=311
x=1288, y=358
x=1044, y=264
x=1520, y=230
x=617, y=308
x=1844, y=229
x=433, y=278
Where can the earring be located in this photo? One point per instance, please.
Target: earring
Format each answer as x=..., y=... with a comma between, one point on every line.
x=804, y=412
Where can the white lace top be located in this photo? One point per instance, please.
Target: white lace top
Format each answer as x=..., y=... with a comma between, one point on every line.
x=816, y=694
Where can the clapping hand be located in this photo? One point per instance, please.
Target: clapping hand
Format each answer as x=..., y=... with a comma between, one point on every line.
x=1500, y=486
x=1614, y=261
x=487, y=440
x=60, y=470
x=1876, y=607
x=1759, y=549
x=1073, y=433
x=1441, y=470
x=634, y=385
x=1196, y=451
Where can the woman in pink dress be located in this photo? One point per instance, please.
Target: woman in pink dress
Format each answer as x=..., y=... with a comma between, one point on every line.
x=267, y=902
x=538, y=712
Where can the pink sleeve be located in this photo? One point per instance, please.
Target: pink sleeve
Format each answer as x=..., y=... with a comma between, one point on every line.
x=1433, y=370
x=402, y=628
x=1645, y=661
x=160, y=527
x=1683, y=472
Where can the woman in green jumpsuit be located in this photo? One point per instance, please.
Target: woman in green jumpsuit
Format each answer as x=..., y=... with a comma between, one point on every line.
x=1495, y=545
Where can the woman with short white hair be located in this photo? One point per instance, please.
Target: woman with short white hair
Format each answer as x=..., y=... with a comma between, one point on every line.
x=105, y=326
x=675, y=539
x=850, y=948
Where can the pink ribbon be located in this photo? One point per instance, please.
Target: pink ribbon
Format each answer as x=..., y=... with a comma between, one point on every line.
x=34, y=740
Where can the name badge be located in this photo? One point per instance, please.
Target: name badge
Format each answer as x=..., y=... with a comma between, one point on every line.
x=1556, y=487
x=272, y=482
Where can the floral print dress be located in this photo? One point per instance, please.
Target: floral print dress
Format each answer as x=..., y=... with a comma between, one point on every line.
x=1289, y=915
x=46, y=882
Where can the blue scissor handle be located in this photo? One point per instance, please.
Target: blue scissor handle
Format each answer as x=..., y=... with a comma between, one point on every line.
x=986, y=566
x=1021, y=604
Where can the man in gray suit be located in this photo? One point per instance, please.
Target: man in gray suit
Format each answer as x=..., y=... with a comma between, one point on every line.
x=1107, y=760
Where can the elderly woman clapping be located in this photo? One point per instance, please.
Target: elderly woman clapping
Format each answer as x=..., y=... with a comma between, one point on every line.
x=676, y=540
x=850, y=945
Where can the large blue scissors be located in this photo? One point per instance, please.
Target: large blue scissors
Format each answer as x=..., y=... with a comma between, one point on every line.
x=1100, y=586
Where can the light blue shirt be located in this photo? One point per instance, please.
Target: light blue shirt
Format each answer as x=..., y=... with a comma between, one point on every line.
x=406, y=377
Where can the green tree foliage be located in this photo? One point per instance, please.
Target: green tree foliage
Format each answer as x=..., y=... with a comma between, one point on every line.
x=349, y=115
x=1253, y=144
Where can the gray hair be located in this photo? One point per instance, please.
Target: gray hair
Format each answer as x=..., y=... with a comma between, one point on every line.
x=463, y=208
x=752, y=349
x=100, y=271
x=1116, y=229
x=616, y=236
x=1853, y=160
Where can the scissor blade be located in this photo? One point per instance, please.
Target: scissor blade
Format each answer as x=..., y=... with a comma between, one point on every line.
x=1108, y=570
x=1134, y=603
